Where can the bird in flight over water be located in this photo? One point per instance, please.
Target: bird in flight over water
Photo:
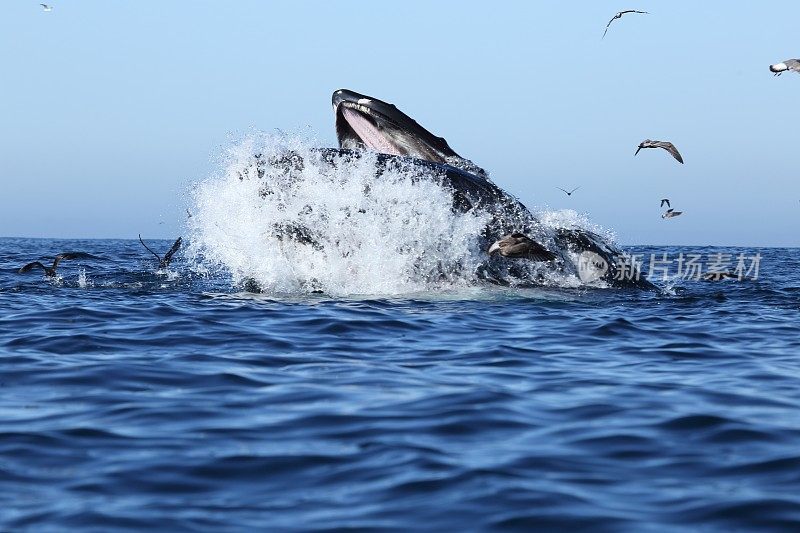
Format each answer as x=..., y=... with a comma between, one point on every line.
x=665, y=201
x=671, y=213
x=619, y=16
x=569, y=193
x=46, y=7
x=783, y=66
x=668, y=146
x=165, y=261
x=50, y=272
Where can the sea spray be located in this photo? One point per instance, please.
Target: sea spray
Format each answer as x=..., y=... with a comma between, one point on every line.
x=288, y=227
x=83, y=280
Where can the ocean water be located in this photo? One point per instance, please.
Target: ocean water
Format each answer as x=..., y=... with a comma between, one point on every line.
x=133, y=398
x=375, y=382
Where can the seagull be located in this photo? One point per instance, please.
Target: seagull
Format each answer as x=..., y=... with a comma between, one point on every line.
x=619, y=16
x=569, y=193
x=46, y=7
x=789, y=64
x=671, y=213
x=165, y=261
x=665, y=201
x=518, y=245
x=50, y=272
x=668, y=146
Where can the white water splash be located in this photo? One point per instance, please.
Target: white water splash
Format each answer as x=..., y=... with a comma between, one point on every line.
x=83, y=280
x=388, y=235
x=171, y=275
x=290, y=228
x=571, y=219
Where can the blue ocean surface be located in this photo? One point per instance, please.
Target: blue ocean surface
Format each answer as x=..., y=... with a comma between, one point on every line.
x=139, y=399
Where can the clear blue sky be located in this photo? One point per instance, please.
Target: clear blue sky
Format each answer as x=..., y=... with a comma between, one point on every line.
x=109, y=110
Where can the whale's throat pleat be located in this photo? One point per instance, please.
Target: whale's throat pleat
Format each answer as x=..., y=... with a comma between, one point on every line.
x=369, y=133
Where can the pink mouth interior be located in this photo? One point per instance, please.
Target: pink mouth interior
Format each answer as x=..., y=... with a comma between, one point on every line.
x=368, y=133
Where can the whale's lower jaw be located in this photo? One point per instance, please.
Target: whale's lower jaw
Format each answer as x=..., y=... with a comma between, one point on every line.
x=374, y=132
x=366, y=133
x=359, y=126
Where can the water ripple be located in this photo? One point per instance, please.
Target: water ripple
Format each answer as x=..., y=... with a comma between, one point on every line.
x=144, y=402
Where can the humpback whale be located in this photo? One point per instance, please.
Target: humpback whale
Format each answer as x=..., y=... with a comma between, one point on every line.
x=513, y=237
x=365, y=122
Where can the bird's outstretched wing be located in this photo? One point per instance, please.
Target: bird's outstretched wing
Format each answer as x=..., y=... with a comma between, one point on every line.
x=148, y=248
x=573, y=190
x=618, y=16
x=792, y=64
x=638, y=149
x=71, y=255
x=676, y=213
x=171, y=252
x=536, y=252
x=562, y=190
x=669, y=147
x=615, y=17
x=665, y=201
x=31, y=266
x=75, y=255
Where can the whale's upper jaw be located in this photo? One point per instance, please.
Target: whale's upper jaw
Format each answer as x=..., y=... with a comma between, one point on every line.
x=368, y=123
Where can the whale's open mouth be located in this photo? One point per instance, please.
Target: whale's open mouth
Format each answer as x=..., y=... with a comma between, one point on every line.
x=363, y=122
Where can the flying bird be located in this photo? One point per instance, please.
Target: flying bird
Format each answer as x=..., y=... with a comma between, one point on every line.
x=789, y=64
x=46, y=7
x=518, y=245
x=569, y=193
x=665, y=201
x=163, y=262
x=50, y=271
x=671, y=213
x=619, y=16
x=668, y=146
